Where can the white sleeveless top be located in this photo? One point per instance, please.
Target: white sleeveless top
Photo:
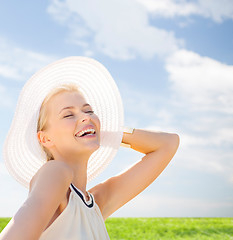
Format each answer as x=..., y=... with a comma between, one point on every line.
x=80, y=220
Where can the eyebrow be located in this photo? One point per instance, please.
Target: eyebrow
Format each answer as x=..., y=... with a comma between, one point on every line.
x=71, y=107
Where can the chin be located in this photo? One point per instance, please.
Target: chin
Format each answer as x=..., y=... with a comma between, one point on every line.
x=96, y=147
x=93, y=147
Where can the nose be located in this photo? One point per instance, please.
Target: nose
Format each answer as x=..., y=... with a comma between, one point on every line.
x=85, y=117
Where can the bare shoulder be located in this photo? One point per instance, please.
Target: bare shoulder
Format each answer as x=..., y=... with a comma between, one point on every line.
x=47, y=190
x=52, y=170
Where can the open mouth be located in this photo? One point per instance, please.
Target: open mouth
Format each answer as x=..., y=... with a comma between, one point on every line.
x=86, y=133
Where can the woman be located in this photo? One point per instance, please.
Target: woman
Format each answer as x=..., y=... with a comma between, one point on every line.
x=67, y=127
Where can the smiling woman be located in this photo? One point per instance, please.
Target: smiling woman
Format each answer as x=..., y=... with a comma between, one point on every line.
x=63, y=135
x=44, y=113
x=62, y=126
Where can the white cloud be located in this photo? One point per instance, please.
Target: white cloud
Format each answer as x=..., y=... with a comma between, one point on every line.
x=17, y=63
x=202, y=93
x=120, y=30
x=169, y=8
x=202, y=82
x=148, y=205
x=214, y=9
x=217, y=10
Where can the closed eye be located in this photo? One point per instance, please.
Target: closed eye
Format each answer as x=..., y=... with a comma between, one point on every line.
x=73, y=115
x=68, y=115
x=90, y=111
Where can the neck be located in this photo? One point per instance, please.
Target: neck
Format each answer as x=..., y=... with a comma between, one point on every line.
x=80, y=176
x=79, y=167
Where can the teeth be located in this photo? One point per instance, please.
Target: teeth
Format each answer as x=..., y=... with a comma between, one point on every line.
x=90, y=130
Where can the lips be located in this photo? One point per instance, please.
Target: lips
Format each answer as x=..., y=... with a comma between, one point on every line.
x=86, y=129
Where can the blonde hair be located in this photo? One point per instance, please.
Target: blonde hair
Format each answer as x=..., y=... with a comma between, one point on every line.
x=43, y=114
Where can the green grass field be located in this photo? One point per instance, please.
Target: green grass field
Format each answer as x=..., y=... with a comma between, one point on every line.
x=165, y=228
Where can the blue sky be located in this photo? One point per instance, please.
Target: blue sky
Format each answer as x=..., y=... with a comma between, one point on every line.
x=172, y=61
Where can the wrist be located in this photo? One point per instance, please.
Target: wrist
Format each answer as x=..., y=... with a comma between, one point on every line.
x=126, y=131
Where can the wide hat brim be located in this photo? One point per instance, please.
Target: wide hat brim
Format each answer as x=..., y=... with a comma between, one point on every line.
x=22, y=153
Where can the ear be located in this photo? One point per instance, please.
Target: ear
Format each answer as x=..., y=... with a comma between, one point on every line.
x=44, y=139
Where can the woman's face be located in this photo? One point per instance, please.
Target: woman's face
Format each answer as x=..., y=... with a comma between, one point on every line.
x=69, y=113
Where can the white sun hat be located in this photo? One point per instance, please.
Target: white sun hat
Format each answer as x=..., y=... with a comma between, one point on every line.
x=22, y=152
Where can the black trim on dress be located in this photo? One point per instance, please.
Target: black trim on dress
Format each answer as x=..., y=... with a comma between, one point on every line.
x=81, y=196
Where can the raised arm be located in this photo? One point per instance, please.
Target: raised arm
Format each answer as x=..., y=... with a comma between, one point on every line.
x=49, y=189
x=158, y=147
